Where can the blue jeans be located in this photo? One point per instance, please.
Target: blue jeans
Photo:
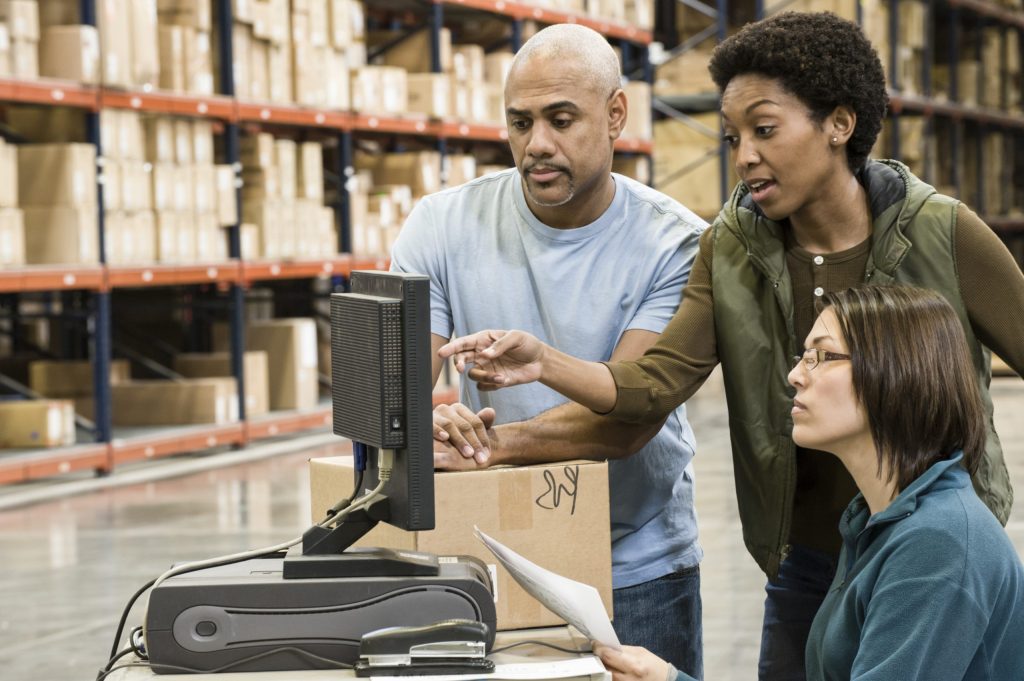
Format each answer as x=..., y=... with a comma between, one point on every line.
x=792, y=601
x=664, y=616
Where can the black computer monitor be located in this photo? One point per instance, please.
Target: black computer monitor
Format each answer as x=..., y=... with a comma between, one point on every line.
x=381, y=386
x=382, y=397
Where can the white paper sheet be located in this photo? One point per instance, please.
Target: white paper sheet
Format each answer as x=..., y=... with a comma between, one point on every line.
x=578, y=604
x=524, y=671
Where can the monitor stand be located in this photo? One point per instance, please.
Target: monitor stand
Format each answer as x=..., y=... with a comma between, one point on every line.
x=326, y=553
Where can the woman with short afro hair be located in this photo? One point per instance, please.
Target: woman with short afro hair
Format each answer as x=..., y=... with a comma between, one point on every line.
x=802, y=101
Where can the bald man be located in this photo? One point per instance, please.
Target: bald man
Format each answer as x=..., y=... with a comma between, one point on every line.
x=593, y=263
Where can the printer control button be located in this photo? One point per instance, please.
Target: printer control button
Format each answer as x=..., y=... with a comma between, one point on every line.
x=206, y=628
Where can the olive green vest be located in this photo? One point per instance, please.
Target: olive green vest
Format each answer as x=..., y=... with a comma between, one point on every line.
x=753, y=305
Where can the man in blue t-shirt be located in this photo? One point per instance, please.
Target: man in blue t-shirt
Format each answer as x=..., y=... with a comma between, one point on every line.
x=593, y=263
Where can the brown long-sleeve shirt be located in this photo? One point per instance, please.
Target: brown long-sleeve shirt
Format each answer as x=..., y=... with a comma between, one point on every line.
x=991, y=285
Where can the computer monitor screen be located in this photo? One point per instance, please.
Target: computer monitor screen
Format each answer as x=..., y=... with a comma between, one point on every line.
x=382, y=386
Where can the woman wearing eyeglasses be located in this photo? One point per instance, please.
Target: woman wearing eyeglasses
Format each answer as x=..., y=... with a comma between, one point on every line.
x=929, y=585
x=803, y=97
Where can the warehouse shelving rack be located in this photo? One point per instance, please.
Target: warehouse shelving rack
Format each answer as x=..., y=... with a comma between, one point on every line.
x=982, y=12
x=235, y=275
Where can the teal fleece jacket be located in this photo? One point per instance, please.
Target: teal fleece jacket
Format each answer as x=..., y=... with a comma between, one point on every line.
x=930, y=589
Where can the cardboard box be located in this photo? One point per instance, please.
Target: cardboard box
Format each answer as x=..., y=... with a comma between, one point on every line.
x=193, y=13
x=145, y=49
x=12, y=237
x=249, y=238
x=429, y=94
x=22, y=19
x=37, y=423
x=290, y=345
x=171, y=42
x=311, y=171
x=144, y=228
x=71, y=378
x=468, y=63
x=227, y=203
x=202, y=142
x=338, y=89
x=204, y=187
x=339, y=23
x=638, y=120
x=198, y=62
x=286, y=161
x=5, y=52
x=186, y=231
x=60, y=235
x=174, y=403
x=241, y=63
x=112, y=183
x=280, y=17
x=115, y=42
x=58, y=13
x=636, y=166
x=367, y=94
x=70, y=53
x=136, y=186
x=556, y=515
x=160, y=139
x=261, y=19
x=255, y=366
x=8, y=171
x=241, y=11
x=279, y=74
x=259, y=184
x=319, y=24
x=413, y=52
x=497, y=66
x=257, y=150
x=166, y=226
x=24, y=59
x=421, y=170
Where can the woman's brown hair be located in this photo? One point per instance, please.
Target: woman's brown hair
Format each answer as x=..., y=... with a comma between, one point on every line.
x=913, y=373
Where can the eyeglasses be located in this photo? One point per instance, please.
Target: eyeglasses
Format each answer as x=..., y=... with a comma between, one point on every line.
x=815, y=356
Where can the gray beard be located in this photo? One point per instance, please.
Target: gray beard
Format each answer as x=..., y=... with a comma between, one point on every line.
x=553, y=204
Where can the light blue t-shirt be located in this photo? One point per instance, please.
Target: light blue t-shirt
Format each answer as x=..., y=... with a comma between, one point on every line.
x=493, y=265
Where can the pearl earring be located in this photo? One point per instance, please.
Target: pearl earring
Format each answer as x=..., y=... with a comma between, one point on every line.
x=835, y=140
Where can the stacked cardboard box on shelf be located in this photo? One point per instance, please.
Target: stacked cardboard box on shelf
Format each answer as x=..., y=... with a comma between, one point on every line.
x=291, y=351
x=19, y=44
x=12, y=223
x=297, y=53
x=218, y=364
x=468, y=87
x=36, y=423
x=57, y=192
x=383, y=192
x=129, y=225
x=283, y=196
x=73, y=380
x=193, y=198
x=127, y=42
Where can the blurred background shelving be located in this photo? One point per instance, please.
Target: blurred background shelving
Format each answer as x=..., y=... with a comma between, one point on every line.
x=184, y=182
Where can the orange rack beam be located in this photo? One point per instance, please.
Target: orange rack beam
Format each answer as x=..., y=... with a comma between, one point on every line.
x=48, y=91
x=517, y=10
x=49, y=462
x=175, y=441
x=51, y=278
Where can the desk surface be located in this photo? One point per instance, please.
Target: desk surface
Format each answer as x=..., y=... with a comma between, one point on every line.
x=561, y=636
